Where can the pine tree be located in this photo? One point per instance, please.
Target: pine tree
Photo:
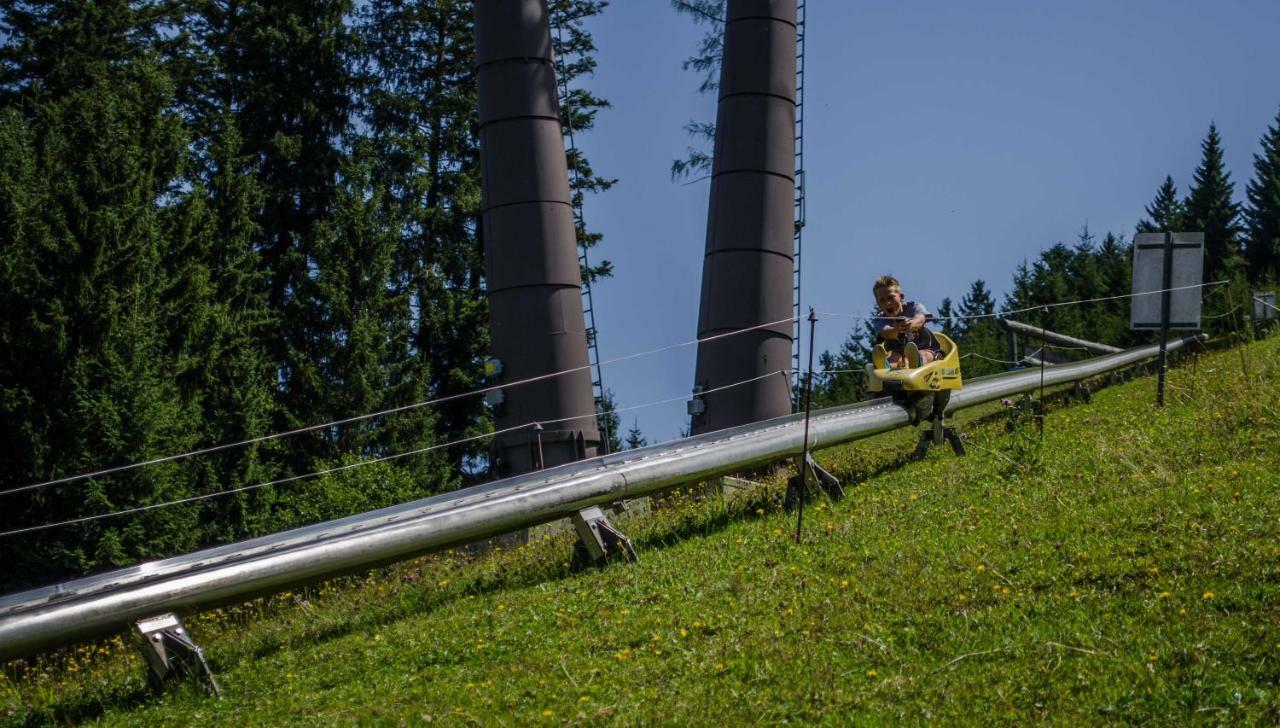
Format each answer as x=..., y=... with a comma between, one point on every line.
x=217, y=323
x=842, y=379
x=979, y=332
x=977, y=302
x=418, y=104
x=91, y=156
x=1166, y=212
x=706, y=63
x=1210, y=209
x=634, y=437
x=1262, y=214
x=1115, y=278
x=282, y=70
x=608, y=422
x=946, y=319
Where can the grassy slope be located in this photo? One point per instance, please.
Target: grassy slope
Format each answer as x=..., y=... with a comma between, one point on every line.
x=1128, y=569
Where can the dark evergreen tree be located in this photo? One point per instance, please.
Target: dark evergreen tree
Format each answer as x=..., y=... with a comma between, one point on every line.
x=608, y=422
x=1166, y=212
x=54, y=48
x=1262, y=215
x=841, y=378
x=1110, y=323
x=418, y=104
x=706, y=63
x=91, y=154
x=980, y=334
x=287, y=81
x=575, y=54
x=635, y=439
x=217, y=323
x=977, y=302
x=1211, y=209
x=946, y=321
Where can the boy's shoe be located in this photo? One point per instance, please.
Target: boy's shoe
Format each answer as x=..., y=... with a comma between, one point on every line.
x=879, y=356
x=912, y=354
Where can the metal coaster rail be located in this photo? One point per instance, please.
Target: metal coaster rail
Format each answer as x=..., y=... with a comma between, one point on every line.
x=70, y=612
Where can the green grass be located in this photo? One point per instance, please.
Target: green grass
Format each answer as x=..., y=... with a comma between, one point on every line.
x=1124, y=570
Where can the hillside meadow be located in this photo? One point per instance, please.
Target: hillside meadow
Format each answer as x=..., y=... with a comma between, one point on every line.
x=1124, y=568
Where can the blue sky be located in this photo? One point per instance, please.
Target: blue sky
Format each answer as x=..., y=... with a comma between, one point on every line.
x=945, y=142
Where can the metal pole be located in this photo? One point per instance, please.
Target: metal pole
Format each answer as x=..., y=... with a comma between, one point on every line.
x=1244, y=367
x=808, y=406
x=532, y=275
x=748, y=261
x=1044, y=314
x=537, y=431
x=1165, y=298
x=1056, y=338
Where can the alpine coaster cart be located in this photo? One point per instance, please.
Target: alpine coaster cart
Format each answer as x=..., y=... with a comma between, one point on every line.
x=924, y=392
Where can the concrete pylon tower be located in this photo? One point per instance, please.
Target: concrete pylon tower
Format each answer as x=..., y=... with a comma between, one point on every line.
x=536, y=321
x=746, y=273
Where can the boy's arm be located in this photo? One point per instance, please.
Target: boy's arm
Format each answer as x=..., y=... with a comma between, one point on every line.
x=889, y=331
x=915, y=322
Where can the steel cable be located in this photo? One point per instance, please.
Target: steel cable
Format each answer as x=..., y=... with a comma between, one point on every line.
x=1010, y=312
x=371, y=461
x=381, y=413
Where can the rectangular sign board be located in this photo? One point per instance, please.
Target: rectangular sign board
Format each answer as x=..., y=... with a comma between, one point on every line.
x=1264, y=306
x=1149, y=280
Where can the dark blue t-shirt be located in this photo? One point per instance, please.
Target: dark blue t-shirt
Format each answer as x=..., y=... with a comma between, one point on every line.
x=922, y=338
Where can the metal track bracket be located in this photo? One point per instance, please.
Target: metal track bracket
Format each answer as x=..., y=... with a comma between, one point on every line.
x=930, y=410
x=598, y=539
x=170, y=652
x=818, y=477
x=936, y=434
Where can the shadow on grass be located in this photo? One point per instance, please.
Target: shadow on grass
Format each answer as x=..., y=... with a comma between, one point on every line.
x=691, y=518
x=666, y=527
x=125, y=698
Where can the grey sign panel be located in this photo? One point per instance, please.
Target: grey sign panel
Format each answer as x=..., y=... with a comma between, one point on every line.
x=1149, y=280
x=1264, y=306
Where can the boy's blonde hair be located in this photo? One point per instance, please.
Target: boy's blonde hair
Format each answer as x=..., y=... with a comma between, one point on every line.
x=884, y=282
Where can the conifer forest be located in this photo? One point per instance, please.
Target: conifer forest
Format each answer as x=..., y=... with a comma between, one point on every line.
x=221, y=219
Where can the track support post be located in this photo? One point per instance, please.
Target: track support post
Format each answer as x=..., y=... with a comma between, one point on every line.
x=801, y=488
x=170, y=653
x=931, y=410
x=598, y=539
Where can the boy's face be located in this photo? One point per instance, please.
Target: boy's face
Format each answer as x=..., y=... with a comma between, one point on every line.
x=889, y=299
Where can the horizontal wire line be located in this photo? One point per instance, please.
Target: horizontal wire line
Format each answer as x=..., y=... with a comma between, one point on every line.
x=1220, y=315
x=358, y=418
x=1037, y=307
x=1264, y=303
x=349, y=466
x=440, y=400
x=996, y=361
x=841, y=371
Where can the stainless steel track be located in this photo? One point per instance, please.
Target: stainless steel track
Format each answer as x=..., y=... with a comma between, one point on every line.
x=73, y=611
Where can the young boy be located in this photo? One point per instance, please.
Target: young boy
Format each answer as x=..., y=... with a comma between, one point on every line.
x=900, y=332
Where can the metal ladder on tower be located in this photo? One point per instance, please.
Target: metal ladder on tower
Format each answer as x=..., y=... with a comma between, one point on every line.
x=799, y=204
x=584, y=265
